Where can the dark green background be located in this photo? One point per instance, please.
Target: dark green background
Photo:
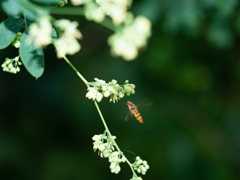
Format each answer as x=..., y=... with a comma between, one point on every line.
x=190, y=71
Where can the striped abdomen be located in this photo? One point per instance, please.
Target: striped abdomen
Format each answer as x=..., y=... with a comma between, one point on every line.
x=137, y=115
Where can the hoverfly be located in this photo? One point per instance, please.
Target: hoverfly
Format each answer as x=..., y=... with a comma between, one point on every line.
x=133, y=111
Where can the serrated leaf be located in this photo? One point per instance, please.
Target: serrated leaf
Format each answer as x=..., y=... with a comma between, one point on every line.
x=8, y=31
x=32, y=57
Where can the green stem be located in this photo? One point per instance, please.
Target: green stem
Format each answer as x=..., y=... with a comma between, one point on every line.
x=109, y=133
x=68, y=11
x=76, y=71
x=108, y=24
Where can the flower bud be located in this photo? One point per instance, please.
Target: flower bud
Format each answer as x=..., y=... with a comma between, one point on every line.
x=127, y=88
x=121, y=94
x=8, y=61
x=99, y=96
x=139, y=161
x=132, y=91
x=126, y=81
x=113, y=165
x=132, y=86
x=17, y=58
x=114, y=81
x=104, y=88
x=110, y=88
x=106, y=94
x=96, y=137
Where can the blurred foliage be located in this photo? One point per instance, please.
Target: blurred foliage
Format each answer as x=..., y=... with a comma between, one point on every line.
x=190, y=71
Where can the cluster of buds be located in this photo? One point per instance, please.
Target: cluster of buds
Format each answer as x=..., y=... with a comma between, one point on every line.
x=16, y=42
x=11, y=65
x=40, y=33
x=115, y=158
x=100, y=89
x=105, y=145
x=140, y=165
x=127, y=41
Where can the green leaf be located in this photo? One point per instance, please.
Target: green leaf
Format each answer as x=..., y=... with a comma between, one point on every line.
x=11, y=7
x=8, y=31
x=24, y=7
x=32, y=57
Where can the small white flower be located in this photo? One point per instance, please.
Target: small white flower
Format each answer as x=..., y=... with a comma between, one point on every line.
x=116, y=153
x=104, y=88
x=106, y=94
x=123, y=159
x=96, y=137
x=121, y=94
x=113, y=165
x=139, y=161
x=110, y=88
x=99, y=96
x=114, y=81
x=91, y=94
x=102, y=147
x=17, y=44
x=127, y=88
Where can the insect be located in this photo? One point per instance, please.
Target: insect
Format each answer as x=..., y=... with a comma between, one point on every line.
x=133, y=110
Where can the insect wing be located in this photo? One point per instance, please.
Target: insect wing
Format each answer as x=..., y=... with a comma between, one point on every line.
x=129, y=116
x=143, y=105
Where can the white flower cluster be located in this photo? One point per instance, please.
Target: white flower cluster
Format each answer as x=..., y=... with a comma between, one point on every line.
x=100, y=89
x=106, y=149
x=115, y=9
x=11, y=65
x=140, y=165
x=40, y=32
x=96, y=10
x=104, y=144
x=131, y=38
x=16, y=42
x=67, y=43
